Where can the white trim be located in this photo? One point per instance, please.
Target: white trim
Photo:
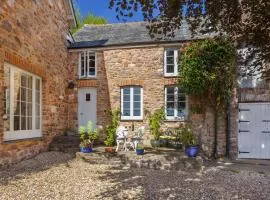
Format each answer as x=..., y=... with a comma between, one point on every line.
x=23, y=134
x=131, y=117
x=175, y=73
x=176, y=93
x=86, y=65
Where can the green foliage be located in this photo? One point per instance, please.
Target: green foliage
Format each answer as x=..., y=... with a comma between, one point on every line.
x=207, y=68
x=155, y=121
x=89, y=19
x=186, y=136
x=110, y=129
x=88, y=134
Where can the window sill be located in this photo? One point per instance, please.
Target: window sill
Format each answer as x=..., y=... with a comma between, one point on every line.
x=175, y=120
x=24, y=139
x=87, y=78
x=131, y=119
x=21, y=135
x=170, y=75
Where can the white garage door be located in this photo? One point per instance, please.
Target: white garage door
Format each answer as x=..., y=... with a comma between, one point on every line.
x=254, y=130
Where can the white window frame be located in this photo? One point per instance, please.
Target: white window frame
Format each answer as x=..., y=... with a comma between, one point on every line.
x=131, y=117
x=23, y=134
x=176, y=52
x=175, y=117
x=86, y=65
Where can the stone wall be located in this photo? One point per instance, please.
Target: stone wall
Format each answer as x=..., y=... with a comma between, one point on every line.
x=143, y=66
x=33, y=38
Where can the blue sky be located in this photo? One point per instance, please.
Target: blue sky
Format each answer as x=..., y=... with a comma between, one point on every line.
x=101, y=8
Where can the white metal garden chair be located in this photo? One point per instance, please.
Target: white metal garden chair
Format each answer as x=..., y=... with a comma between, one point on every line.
x=121, y=137
x=137, y=138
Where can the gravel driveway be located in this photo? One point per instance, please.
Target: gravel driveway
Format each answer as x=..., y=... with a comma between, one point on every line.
x=55, y=175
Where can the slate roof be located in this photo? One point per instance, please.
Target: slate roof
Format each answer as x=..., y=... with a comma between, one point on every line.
x=132, y=33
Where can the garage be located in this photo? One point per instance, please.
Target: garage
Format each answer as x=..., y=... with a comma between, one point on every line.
x=254, y=130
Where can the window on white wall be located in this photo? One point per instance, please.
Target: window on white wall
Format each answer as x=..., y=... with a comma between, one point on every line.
x=176, y=103
x=171, y=62
x=22, y=114
x=87, y=65
x=132, y=103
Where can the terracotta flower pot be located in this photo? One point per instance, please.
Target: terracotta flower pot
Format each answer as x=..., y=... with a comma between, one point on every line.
x=109, y=150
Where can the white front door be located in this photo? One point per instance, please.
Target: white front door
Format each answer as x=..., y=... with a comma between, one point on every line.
x=87, y=106
x=254, y=130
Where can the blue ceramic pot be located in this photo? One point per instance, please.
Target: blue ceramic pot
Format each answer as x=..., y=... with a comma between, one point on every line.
x=139, y=151
x=192, y=150
x=86, y=149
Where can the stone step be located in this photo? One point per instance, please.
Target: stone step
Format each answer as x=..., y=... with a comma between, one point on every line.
x=67, y=143
x=131, y=160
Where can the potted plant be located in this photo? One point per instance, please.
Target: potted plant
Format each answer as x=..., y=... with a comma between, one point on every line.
x=155, y=121
x=190, y=142
x=110, y=131
x=140, y=149
x=88, y=135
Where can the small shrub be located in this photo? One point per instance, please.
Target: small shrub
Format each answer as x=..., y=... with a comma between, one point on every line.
x=88, y=135
x=186, y=136
x=110, y=129
x=155, y=121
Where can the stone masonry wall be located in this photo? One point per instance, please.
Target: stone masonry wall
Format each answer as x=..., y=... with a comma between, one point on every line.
x=143, y=66
x=33, y=38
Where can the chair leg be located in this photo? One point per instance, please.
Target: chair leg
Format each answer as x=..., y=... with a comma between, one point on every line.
x=117, y=148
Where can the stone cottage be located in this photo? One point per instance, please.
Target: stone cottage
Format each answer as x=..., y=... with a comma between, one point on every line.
x=33, y=75
x=121, y=66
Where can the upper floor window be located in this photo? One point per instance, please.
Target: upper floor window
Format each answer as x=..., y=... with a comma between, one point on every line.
x=171, y=62
x=132, y=103
x=87, y=65
x=22, y=104
x=176, y=103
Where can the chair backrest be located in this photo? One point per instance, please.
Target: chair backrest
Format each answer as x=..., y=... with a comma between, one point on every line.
x=140, y=132
x=121, y=132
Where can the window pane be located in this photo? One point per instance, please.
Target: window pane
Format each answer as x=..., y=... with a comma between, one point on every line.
x=170, y=68
x=29, y=85
x=82, y=64
x=170, y=109
x=17, y=108
x=29, y=109
x=23, y=97
x=16, y=123
x=24, y=81
x=170, y=60
x=170, y=52
x=29, y=96
x=126, y=97
x=23, y=123
x=170, y=90
x=137, y=105
x=92, y=63
x=38, y=97
x=37, y=123
x=126, y=113
x=126, y=90
x=38, y=84
x=137, y=98
x=181, y=97
x=137, y=112
x=23, y=109
x=137, y=90
x=170, y=97
x=37, y=110
x=92, y=71
x=29, y=123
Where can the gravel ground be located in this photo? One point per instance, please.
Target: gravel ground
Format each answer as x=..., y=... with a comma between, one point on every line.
x=55, y=175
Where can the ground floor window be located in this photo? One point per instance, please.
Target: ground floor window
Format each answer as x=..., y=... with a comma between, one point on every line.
x=176, y=105
x=132, y=103
x=22, y=104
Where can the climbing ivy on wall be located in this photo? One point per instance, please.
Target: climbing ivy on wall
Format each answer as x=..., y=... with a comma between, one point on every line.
x=207, y=68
